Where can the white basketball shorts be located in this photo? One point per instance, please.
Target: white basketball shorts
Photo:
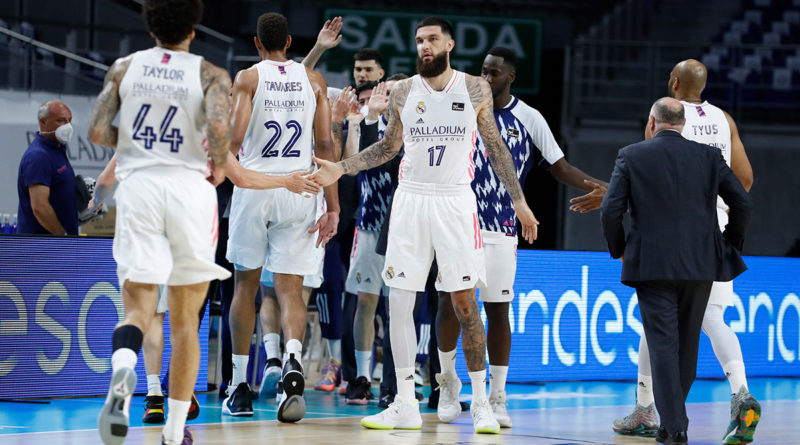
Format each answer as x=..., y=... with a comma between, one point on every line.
x=500, y=251
x=166, y=228
x=274, y=224
x=313, y=281
x=366, y=266
x=721, y=291
x=430, y=219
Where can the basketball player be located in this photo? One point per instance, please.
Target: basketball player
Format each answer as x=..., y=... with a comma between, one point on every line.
x=280, y=113
x=166, y=210
x=528, y=137
x=710, y=125
x=438, y=115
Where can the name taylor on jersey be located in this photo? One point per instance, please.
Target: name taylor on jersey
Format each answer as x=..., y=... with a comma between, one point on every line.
x=154, y=85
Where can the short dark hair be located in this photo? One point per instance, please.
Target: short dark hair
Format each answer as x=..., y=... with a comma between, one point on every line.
x=669, y=111
x=363, y=86
x=398, y=76
x=508, y=56
x=447, y=27
x=369, y=54
x=272, y=31
x=171, y=21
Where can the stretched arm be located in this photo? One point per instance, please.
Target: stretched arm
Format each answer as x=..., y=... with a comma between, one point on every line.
x=106, y=106
x=740, y=164
x=353, y=135
x=216, y=85
x=327, y=38
x=43, y=211
x=574, y=177
x=343, y=105
x=296, y=182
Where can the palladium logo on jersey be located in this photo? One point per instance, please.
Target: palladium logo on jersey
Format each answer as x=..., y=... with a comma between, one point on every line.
x=440, y=132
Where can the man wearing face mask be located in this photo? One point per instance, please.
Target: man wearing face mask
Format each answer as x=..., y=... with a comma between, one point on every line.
x=46, y=181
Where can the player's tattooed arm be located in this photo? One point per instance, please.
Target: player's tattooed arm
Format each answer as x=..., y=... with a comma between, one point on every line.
x=473, y=337
x=217, y=86
x=503, y=164
x=388, y=147
x=337, y=129
x=101, y=130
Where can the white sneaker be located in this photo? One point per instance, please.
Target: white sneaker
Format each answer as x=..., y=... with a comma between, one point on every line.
x=401, y=414
x=449, y=406
x=269, y=383
x=498, y=404
x=483, y=419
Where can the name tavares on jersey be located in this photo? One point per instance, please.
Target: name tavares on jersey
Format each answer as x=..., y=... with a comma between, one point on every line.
x=283, y=86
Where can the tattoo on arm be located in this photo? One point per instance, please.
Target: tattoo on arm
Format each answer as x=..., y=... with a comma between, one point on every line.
x=387, y=148
x=336, y=128
x=106, y=106
x=216, y=85
x=313, y=56
x=503, y=164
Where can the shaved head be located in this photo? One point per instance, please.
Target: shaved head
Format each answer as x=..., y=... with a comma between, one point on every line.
x=687, y=79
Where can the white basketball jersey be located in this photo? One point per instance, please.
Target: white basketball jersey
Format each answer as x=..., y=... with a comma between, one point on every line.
x=280, y=138
x=439, y=131
x=707, y=124
x=161, y=117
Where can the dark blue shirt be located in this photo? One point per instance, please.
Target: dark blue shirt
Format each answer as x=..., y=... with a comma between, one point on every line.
x=375, y=186
x=45, y=162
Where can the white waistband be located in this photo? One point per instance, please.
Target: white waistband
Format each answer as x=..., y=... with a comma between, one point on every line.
x=425, y=188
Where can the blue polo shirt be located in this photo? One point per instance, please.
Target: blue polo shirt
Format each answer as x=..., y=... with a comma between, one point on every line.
x=45, y=162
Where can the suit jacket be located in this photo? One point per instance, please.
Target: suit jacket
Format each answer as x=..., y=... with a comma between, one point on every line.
x=670, y=184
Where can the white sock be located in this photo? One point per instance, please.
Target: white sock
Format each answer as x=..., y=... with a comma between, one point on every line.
x=447, y=360
x=364, y=364
x=176, y=419
x=123, y=358
x=405, y=383
x=239, y=369
x=644, y=390
x=294, y=346
x=335, y=349
x=734, y=370
x=497, y=379
x=272, y=344
x=478, y=379
x=154, y=385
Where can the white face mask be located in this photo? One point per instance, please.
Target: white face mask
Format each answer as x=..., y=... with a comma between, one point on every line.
x=364, y=110
x=63, y=133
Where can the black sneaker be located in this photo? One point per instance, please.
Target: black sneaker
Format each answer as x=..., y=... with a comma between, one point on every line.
x=239, y=403
x=386, y=398
x=153, y=409
x=291, y=405
x=359, y=392
x=194, y=409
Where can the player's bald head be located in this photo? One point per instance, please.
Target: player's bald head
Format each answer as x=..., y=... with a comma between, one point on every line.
x=688, y=77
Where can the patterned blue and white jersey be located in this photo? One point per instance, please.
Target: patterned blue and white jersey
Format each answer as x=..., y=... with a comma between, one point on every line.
x=376, y=192
x=530, y=141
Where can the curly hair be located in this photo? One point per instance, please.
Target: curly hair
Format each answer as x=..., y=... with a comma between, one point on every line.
x=171, y=21
x=273, y=30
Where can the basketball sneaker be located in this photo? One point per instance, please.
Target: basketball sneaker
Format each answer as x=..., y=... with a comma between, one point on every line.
x=187, y=438
x=641, y=422
x=745, y=415
x=359, y=392
x=482, y=417
x=342, y=388
x=330, y=376
x=291, y=405
x=153, y=409
x=194, y=409
x=112, y=423
x=401, y=414
x=239, y=403
x=498, y=404
x=386, y=398
x=269, y=383
x=449, y=388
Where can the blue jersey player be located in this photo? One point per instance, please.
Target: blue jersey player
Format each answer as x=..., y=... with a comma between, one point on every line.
x=531, y=143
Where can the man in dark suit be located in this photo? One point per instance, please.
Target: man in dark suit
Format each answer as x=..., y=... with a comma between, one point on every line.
x=674, y=250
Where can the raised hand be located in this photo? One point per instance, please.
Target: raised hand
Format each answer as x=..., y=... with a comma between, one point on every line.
x=300, y=183
x=590, y=201
x=378, y=102
x=530, y=225
x=344, y=105
x=329, y=36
